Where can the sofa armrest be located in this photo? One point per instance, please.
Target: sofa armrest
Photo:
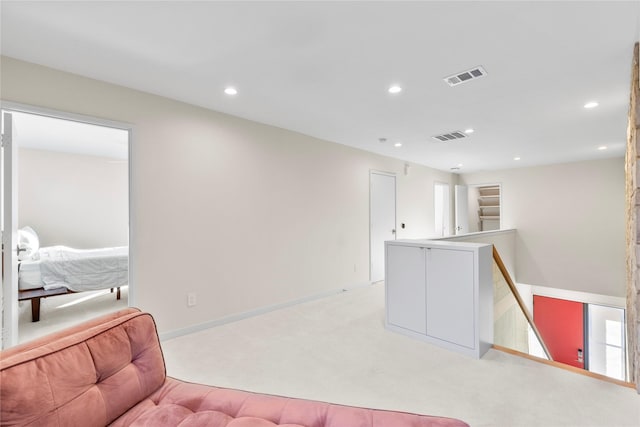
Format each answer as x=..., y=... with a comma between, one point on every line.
x=87, y=375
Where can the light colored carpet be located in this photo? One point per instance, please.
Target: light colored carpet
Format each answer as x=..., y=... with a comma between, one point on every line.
x=61, y=311
x=336, y=349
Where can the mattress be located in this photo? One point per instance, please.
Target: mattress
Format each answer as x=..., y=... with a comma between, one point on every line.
x=29, y=275
x=76, y=269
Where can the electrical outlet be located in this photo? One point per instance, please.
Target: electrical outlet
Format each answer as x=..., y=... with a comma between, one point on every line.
x=191, y=299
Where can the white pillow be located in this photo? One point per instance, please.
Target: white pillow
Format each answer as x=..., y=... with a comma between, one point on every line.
x=28, y=240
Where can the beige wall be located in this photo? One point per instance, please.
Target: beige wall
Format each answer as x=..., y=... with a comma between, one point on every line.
x=570, y=222
x=245, y=215
x=73, y=200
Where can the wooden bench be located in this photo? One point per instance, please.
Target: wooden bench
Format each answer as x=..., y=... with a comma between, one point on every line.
x=36, y=294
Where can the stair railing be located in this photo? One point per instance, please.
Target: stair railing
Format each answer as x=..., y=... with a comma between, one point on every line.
x=516, y=294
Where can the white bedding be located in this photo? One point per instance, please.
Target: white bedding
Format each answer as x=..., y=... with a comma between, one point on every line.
x=76, y=269
x=29, y=276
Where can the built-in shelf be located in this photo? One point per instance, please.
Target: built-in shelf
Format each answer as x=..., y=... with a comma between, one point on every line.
x=489, y=207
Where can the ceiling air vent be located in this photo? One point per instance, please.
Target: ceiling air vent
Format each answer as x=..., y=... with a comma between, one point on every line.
x=446, y=137
x=465, y=76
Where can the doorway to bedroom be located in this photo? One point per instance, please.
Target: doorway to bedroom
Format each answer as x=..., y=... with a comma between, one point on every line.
x=69, y=194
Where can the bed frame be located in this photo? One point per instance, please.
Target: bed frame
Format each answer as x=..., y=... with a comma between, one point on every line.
x=35, y=295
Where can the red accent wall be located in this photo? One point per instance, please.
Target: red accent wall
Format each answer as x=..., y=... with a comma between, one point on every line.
x=561, y=324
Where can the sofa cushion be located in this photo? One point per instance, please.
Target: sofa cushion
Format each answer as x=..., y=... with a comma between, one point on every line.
x=87, y=375
x=178, y=403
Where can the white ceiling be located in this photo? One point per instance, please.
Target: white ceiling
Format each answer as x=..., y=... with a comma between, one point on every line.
x=323, y=68
x=51, y=134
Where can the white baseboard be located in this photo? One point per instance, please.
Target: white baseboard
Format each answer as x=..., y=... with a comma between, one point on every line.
x=357, y=286
x=251, y=313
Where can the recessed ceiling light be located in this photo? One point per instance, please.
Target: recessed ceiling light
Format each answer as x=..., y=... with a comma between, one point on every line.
x=398, y=144
x=459, y=165
x=602, y=147
x=591, y=104
x=516, y=158
x=469, y=130
x=395, y=89
x=231, y=91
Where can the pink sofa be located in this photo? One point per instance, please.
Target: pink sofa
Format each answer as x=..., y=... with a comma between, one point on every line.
x=110, y=371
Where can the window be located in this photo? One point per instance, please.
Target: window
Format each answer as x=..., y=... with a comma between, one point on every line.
x=606, y=341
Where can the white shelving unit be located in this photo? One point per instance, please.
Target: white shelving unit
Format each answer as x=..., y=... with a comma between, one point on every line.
x=489, y=207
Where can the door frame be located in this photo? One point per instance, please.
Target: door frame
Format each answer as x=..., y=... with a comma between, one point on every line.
x=458, y=212
x=395, y=211
x=15, y=107
x=9, y=281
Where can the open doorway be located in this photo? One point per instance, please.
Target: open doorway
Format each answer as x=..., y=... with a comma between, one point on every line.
x=70, y=199
x=484, y=207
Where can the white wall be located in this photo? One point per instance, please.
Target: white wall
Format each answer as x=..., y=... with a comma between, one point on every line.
x=73, y=200
x=245, y=215
x=570, y=222
x=503, y=240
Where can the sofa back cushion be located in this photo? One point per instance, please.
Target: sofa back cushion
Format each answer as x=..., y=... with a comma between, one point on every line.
x=87, y=375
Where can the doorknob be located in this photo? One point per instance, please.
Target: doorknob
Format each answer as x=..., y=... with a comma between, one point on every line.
x=19, y=249
x=393, y=231
x=580, y=358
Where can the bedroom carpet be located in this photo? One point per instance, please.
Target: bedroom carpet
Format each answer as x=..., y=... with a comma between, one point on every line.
x=336, y=349
x=62, y=311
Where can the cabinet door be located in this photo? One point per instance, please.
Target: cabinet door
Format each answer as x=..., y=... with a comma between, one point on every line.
x=450, y=296
x=406, y=287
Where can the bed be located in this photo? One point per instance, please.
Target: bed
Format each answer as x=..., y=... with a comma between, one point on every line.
x=58, y=270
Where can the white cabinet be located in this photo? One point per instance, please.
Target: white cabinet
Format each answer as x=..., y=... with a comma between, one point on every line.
x=408, y=296
x=441, y=292
x=449, y=302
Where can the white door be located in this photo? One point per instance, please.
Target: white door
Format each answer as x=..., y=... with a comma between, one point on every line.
x=382, y=220
x=9, y=234
x=462, y=209
x=441, y=209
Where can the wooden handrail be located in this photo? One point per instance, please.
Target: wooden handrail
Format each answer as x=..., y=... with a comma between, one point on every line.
x=516, y=294
x=564, y=366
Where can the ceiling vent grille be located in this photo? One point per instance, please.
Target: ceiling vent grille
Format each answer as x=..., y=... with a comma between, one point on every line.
x=465, y=76
x=446, y=137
